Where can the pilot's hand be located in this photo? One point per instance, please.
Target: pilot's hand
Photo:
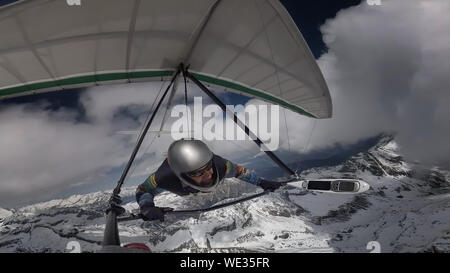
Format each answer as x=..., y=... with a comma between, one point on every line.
x=149, y=212
x=269, y=185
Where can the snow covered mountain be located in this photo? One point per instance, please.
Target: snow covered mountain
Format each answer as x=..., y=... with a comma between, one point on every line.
x=406, y=210
x=5, y=213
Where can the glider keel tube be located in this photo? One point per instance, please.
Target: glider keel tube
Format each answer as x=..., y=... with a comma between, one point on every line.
x=244, y=127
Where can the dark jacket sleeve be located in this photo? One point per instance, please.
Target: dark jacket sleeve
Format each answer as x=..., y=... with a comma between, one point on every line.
x=238, y=171
x=146, y=191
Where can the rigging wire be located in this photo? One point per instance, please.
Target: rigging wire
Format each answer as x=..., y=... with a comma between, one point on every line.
x=276, y=72
x=150, y=111
x=133, y=216
x=310, y=135
x=145, y=122
x=146, y=150
x=154, y=136
x=114, y=196
x=287, y=130
x=188, y=116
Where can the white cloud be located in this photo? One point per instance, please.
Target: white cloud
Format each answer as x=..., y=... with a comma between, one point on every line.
x=387, y=70
x=45, y=152
x=40, y=151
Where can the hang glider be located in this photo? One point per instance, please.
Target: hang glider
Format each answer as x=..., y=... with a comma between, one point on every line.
x=248, y=47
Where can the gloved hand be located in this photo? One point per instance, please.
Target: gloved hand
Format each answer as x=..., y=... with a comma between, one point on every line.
x=269, y=185
x=149, y=212
x=114, y=204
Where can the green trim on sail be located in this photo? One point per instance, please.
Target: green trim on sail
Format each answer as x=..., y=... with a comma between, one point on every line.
x=252, y=92
x=147, y=74
x=84, y=79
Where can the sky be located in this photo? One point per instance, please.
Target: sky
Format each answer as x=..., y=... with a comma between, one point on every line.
x=385, y=65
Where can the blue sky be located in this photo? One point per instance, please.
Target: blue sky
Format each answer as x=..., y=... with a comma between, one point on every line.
x=7, y=2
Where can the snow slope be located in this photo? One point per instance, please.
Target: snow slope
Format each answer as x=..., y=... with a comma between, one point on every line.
x=404, y=211
x=4, y=213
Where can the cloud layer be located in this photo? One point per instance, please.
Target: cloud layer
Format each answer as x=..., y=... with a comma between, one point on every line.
x=46, y=152
x=387, y=69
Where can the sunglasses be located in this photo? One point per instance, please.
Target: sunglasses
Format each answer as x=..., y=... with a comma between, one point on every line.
x=201, y=171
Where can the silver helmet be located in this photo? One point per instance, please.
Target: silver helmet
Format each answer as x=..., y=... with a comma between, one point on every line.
x=187, y=155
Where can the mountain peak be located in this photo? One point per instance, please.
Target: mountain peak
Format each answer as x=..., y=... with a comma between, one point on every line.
x=5, y=213
x=404, y=211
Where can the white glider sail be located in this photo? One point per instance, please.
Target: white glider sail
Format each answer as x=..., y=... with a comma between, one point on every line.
x=251, y=47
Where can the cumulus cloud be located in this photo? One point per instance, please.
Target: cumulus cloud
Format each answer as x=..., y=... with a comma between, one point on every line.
x=46, y=152
x=387, y=70
x=41, y=150
x=386, y=67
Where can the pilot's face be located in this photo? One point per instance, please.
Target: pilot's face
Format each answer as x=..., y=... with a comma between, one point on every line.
x=205, y=179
